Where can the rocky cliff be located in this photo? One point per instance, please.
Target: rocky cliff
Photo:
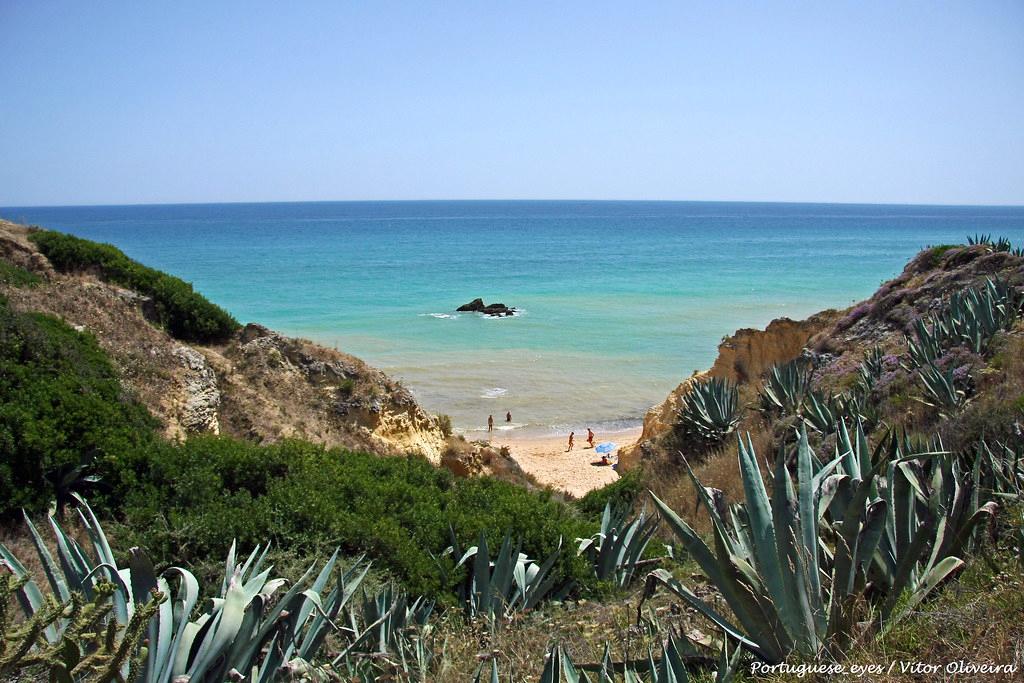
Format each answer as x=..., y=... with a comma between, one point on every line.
x=742, y=357
x=257, y=385
x=835, y=340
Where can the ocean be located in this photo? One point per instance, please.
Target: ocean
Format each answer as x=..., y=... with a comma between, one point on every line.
x=618, y=300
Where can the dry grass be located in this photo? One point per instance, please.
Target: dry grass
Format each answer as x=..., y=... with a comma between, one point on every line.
x=582, y=628
x=669, y=481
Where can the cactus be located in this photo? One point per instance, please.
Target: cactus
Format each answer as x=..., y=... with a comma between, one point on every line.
x=90, y=646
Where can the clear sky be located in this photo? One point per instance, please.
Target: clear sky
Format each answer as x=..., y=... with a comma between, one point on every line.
x=137, y=102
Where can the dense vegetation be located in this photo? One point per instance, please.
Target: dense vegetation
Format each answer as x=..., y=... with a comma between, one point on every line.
x=184, y=312
x=190, y=500
x=63, y=416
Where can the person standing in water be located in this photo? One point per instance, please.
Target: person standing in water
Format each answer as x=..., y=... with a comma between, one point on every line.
x=508, y=416
x=590, y=437
x=490, y=423
x=571, y=436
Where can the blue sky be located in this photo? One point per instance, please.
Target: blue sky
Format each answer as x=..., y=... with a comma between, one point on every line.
x=216, y=101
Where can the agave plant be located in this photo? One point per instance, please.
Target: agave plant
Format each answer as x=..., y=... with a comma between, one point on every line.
x=251, y=627
x=1001, y=470
x=770, y=558
x=615, y=552
x=710, y=410
x=932, y=511
x=974, y=316
x=785, y=387
x=941, y=391
x=510, y=582
x=926, y=347
x=870, y=369
x=389, y=635
x=822, y=412
x=971, y=318
x=1000, y=244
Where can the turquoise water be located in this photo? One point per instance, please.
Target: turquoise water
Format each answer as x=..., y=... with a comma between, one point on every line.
x=619, y=300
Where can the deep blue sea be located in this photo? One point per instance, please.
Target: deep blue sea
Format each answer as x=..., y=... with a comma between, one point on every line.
x=620, y=300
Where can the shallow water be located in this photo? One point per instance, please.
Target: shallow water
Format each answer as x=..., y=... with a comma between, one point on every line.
x=618, y=301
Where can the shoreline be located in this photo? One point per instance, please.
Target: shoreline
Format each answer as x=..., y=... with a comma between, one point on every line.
x=574, y=472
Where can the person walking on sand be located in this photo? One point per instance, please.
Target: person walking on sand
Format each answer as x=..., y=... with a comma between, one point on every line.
x=590, y=437
x=571, y=437
x=508, y=416
x=490, y=423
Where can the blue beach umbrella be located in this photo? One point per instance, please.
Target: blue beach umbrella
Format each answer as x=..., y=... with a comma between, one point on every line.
x=605, y=447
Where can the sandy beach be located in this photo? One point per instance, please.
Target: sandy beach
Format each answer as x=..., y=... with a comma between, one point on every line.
x=573, y=472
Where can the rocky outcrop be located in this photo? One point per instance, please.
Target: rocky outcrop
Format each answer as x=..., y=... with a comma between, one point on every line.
x=15, y=248
x=259, y=384
x=202, y=397
x=464, y=459
x=478, y=306
x=748, y=353
x=742, y=358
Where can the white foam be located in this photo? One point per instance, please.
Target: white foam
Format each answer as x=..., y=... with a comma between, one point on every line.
x=440, y=316
x=515, y=314
x=496, y=392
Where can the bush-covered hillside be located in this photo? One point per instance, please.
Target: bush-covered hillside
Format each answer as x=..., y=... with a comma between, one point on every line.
x=63, y=417
x=186, y=314
x=189, y=501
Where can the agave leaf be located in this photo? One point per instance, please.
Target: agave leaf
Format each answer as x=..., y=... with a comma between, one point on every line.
x=348, y=583
x=182, y=605
x=753, y=614
x=763, y=650
x=29, y=596
x=793, y=565
x=932, y=579
x=763, y=531
x=58, y=582
x=228, y=621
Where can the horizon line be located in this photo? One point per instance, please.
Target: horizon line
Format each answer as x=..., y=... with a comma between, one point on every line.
x=518, y=199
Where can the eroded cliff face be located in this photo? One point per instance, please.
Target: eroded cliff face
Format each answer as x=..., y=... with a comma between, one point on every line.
x=259, y=385
x=742, y=358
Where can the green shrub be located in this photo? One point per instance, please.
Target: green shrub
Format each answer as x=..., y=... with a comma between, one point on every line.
x=444, y=423
x=937, y=252
x=193, y=498
x=185, y=313
x=63, y=416
x=14, y=276
x=621, y=493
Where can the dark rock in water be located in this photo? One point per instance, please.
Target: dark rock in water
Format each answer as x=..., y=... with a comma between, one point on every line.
x=498, y=309
x=477, y=306
x=474, y=306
